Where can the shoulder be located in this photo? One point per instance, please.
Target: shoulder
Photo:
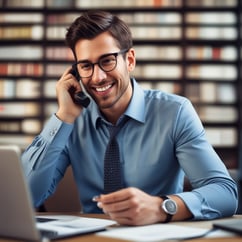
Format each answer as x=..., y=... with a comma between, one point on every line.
x=158, y=97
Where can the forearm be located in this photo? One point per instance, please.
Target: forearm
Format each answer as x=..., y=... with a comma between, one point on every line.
x=41, y=157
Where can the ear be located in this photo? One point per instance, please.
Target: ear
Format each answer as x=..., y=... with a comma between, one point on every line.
x=131, y=61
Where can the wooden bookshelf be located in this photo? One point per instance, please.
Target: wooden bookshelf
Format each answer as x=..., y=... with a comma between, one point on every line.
x=187, y=47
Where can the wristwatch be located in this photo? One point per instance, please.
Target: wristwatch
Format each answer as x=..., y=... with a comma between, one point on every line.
x=169, y=206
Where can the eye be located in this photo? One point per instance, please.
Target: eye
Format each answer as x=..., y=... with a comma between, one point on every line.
x=108, y=60
x=85, y=66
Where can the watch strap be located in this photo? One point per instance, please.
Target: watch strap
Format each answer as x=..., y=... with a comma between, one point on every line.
x=168, y=216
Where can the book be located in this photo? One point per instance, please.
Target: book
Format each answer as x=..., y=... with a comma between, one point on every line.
x=19, y=109
x=27, y=88
x=7, y=88
x=50, y=88
x=222, y=136
x=31, y=126
x=23, y=52
x=157, y=71
x=217, y=114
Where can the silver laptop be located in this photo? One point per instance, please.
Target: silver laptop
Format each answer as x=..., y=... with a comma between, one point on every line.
x=17, y=216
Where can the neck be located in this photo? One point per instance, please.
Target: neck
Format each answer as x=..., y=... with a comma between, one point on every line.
x=113, y=113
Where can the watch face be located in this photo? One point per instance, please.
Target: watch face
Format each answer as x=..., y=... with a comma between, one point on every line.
x=170, y=206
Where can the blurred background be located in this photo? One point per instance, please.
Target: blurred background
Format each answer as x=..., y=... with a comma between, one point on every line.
x=188, y=47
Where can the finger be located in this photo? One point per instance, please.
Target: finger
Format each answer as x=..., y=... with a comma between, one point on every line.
x=67, y=71
x=124, y=217
x=117, y=196
x=115, y=207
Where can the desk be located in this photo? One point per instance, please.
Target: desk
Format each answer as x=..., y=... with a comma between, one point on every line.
x=96, y=238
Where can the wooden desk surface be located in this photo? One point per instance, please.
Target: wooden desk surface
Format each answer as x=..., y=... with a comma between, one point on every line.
x=96, y=238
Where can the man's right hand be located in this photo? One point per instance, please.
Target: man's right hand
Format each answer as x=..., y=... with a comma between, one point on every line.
x=68, y=111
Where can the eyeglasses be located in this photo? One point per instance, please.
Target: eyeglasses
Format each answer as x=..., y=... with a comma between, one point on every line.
x=107, y=63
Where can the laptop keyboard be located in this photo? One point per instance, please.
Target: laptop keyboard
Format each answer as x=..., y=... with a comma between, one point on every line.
x=44, y=220
x=50, y=234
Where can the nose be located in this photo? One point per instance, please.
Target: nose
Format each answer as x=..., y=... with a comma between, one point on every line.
x=98, y=74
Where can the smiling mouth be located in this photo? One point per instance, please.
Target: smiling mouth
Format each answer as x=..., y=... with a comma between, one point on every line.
x=103, y=89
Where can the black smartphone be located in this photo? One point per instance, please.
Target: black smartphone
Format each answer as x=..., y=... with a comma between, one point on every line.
x=79, y=98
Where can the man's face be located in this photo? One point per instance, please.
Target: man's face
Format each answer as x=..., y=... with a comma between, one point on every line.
x=110, y=90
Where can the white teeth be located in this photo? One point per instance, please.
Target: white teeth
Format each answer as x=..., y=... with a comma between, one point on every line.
x=102, y=89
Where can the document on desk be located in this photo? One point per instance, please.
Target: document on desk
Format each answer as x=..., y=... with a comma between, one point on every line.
x=155, y=232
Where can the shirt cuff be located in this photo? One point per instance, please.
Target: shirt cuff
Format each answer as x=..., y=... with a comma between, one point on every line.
x=193, y=204
x=56, y=131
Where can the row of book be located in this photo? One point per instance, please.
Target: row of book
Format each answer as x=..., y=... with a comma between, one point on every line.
x=139, y=32
x=27, y=89
x=26, y=110
x=226, y=53
x=211, y=92
x=19, y=109
x=172, y=71
x=211, y=18
x=36, y=32
x=21, y=52
x=130, y=18
x=153, y=71
x=222, y=137
x=25, y=69
x=143, y=52
x=211, y=33
x=149, y=52
x=213, y=72
x=218, y=18
x=21, y=18
x=90, y=4
x=211, y=3
x=116, y=3
x=216, y=114
x=20, y=88
x=27, y=126
x=206, y=92
x=163, y=33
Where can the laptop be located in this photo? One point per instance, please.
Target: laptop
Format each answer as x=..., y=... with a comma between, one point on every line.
x=17, y=215
x=230, y=225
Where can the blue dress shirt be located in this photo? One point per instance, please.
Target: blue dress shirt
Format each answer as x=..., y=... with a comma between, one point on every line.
x=163, y=140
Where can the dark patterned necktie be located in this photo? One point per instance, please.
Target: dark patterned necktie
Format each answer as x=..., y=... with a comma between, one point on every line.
x=113, y=178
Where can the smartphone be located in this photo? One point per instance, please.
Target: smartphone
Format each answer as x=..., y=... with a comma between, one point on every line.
x=79, y=98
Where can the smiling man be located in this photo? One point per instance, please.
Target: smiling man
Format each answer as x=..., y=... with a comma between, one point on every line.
x=158, y=138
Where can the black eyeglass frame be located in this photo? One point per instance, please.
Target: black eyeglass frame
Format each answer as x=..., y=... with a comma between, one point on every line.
x=115, y=54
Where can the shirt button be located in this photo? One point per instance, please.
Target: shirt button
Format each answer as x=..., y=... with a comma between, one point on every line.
x=53, y=132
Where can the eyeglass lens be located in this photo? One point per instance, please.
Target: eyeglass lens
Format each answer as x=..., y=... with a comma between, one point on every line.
x=106, y=63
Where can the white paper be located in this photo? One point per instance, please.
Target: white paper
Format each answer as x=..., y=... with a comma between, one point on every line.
x=154, y=232
x=66, y=225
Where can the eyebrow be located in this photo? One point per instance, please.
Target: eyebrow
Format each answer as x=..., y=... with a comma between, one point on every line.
x=104, y=55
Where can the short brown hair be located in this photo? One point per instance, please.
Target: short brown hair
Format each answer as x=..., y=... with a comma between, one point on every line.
x=92, y=23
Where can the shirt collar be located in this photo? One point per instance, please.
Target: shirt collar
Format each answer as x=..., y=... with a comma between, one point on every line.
x=135, y=110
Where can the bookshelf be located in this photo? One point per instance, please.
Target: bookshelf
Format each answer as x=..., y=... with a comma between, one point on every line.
x=188, y=47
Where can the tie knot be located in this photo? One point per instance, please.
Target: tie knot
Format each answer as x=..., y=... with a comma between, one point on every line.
x=114, y=129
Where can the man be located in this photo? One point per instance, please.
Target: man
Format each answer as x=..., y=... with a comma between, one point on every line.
x=162, y=139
